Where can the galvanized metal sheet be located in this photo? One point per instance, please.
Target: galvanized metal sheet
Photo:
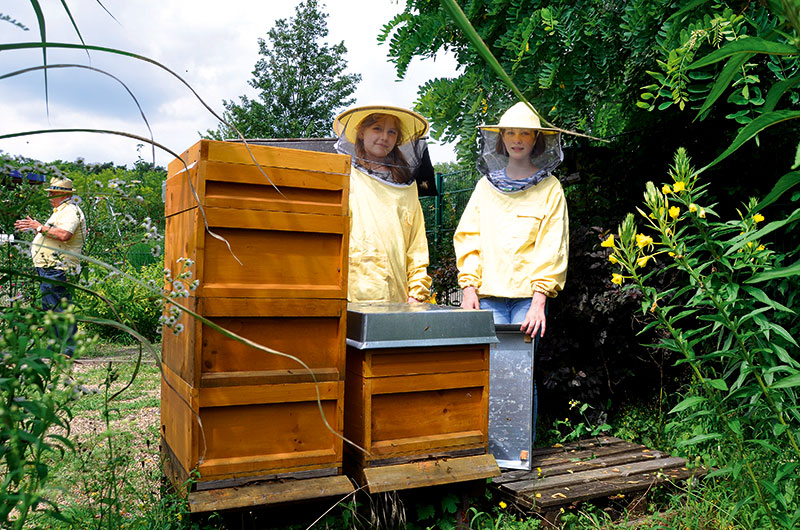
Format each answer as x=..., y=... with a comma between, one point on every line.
x=511, y=398
x=395, y=325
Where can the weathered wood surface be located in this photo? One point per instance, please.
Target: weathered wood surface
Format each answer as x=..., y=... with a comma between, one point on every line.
x=271, y=493
x=430, y=473
x=589, y=469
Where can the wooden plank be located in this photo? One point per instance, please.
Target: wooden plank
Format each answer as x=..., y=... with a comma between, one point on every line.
x=275, y=263
x=271, y=307
x=547, y=499
x=425, y=444
x=413, y=414
x=415, y=361
x=282, y=177
x=269, y=438
x=428, y=382
x=266, y=377
x=554, y=466
x=266, y=156
x=572, y=479
x=278, y=393
x=588, y=443
x=253, y=479
x=317, y=341
x=269, y=494
x=582, y=465
x=430, y=473
x=282, y=221
x=178, y=421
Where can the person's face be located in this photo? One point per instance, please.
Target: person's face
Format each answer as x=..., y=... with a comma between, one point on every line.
x=56, y=198
x=380, y=138
x=519, y=143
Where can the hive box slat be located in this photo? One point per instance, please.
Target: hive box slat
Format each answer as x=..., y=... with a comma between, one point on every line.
x=271, y=254
x=224, y=174
x=311, y=330
x=255, y=430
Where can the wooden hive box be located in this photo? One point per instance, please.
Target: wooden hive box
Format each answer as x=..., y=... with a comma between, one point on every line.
x=417, y=389
x=234, y=413
x=260, y=241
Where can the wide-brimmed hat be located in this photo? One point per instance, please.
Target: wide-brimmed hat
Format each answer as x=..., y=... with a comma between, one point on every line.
x=413, y=124
x=520, y=116
x=63, y=185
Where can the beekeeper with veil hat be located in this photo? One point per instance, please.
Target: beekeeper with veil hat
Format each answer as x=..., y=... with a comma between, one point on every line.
x=512, y=240
x=388, y=247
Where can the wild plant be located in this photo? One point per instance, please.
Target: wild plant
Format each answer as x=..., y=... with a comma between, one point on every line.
x=731, y=315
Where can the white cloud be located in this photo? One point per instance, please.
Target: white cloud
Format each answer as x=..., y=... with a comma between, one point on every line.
x=213, y=49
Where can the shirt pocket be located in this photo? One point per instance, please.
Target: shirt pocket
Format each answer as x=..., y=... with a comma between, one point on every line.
x=523, y=231
x=368, y=277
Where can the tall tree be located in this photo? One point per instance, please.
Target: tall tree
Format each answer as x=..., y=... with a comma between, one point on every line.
x=300, y=82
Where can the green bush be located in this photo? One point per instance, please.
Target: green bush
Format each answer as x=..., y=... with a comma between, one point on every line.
x=111, y=296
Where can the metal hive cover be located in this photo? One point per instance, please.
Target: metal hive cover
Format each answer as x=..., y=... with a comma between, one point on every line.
x=397, y=325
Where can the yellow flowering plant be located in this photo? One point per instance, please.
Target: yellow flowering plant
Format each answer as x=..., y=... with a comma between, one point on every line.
x=730, y=313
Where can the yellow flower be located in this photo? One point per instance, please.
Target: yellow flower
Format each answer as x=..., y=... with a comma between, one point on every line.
x=758, y=218
x=666, y=190
x=692, y=207
x=641, y=262
x=679, y=186
x=613, y=259
x=702, y=214
x=671, y=254
x=609, y=242
x=616, y=278
x=674, y=212
x=503, y=505
x=643, y=241
x=761, y=247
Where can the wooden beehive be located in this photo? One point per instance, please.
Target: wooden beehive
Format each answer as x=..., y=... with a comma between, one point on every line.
x=425, y=399
x=271, y=265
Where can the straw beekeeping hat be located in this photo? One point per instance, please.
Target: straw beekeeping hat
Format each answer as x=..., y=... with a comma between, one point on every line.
x=520, y=116
x=412, y=124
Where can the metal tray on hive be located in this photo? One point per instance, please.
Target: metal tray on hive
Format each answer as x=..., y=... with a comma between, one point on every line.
x=397, y=325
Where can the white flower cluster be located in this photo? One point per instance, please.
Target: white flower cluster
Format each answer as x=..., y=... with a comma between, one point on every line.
x=176, y=288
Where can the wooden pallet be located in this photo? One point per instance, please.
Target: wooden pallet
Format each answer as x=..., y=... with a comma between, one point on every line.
x=588, y=469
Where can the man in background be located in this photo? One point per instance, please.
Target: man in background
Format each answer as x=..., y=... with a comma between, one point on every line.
x=64, y=230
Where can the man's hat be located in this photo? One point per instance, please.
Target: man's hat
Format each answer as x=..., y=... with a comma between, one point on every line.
x=63, y=185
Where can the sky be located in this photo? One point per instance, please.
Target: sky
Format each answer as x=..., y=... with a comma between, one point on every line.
x=214, y=48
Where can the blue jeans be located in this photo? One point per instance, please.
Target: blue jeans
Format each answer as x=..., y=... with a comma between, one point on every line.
x=513, y=311
x=52, y=293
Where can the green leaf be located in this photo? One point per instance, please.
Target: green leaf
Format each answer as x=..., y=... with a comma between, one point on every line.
x=719, y=384
x=784, y=184
x=688, y=403
x=700, y=438
x=724, y=79
x=777, y=90
x=750, y=130
x=745, y=45
x=450, y=503
x=788, y=382
x=762, y=297
x=782, y=272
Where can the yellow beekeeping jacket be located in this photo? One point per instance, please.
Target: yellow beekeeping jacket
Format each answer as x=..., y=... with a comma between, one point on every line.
x=388, y=247
x=514, y=244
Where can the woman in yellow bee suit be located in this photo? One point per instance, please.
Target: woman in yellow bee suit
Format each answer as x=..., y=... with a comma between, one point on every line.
x=388, y=246
x=512, y=240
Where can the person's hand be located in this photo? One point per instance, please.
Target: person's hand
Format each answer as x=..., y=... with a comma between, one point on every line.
x=470, y=299
x=27, y=224
x=535, y=321
x=412, y=300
